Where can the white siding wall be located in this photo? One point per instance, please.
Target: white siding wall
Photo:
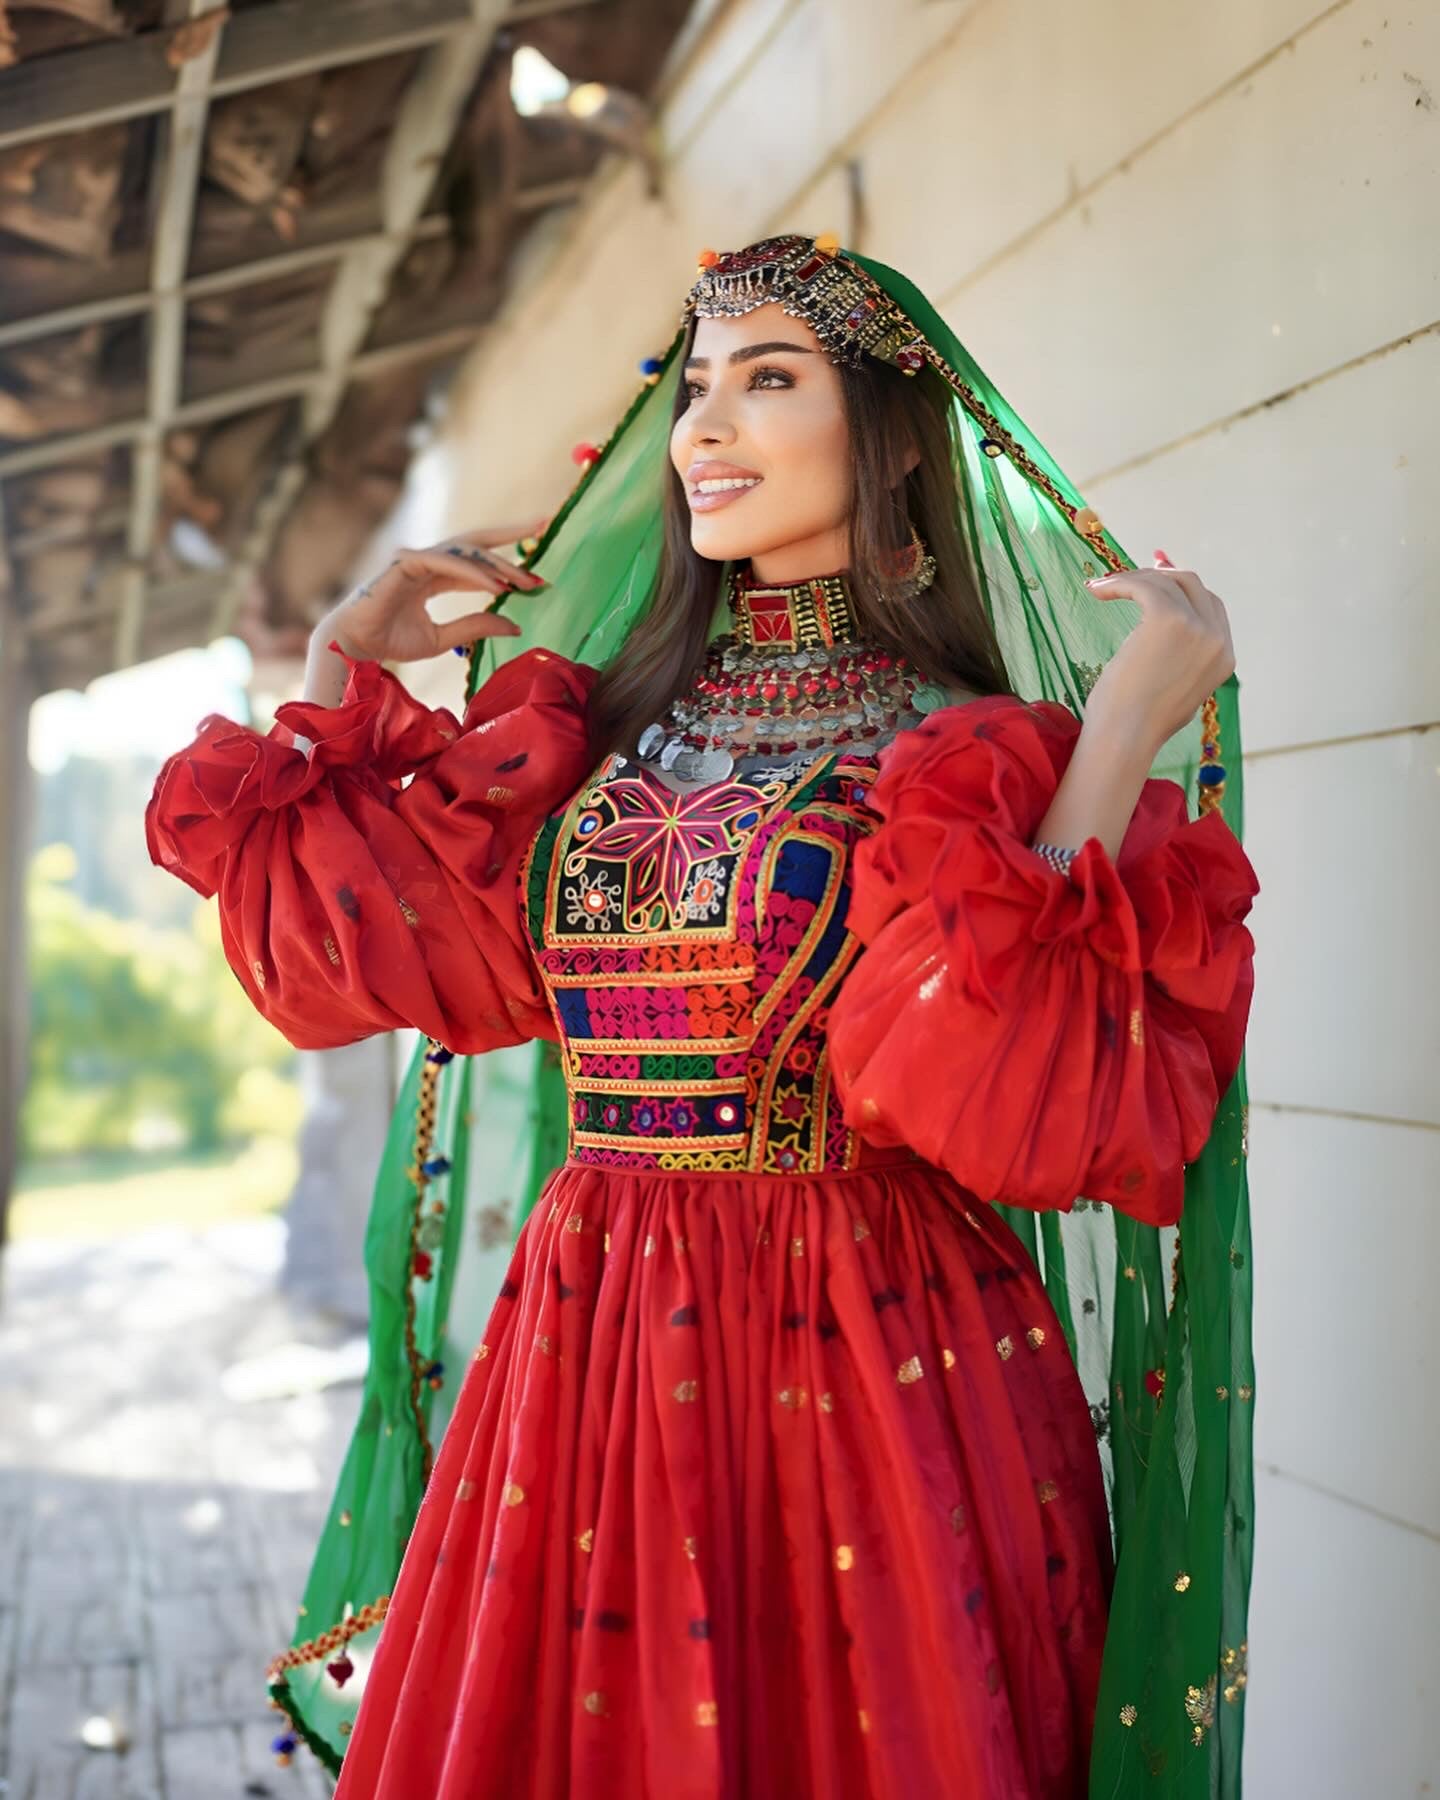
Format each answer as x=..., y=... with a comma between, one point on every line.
x=1196, y=246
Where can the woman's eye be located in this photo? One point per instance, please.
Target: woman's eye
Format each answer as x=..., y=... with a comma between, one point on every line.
x=782, y=377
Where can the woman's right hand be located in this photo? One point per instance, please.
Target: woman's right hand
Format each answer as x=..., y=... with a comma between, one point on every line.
x=387, y=619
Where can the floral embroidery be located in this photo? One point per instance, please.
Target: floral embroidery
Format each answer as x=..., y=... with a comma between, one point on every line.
x=660, y=835
x=706, y=895
x=594, y=902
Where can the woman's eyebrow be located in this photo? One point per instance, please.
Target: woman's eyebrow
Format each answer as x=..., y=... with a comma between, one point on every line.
x=747, y=351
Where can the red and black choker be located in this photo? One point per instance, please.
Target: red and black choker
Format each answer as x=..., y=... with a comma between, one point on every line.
x=812, y=614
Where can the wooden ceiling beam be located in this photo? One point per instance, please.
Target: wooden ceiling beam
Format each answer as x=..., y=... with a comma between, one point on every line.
x=219, y=281
x=297, y=37
x=76, y=529
x=67, y=446
x=121, y=78
x=182, y=154
x=54, y=452
x=127, y=78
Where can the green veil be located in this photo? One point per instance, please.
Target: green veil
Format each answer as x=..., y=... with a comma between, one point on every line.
x=1157, y=1320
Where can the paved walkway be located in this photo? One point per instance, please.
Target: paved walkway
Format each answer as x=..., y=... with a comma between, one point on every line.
x=155, y=1524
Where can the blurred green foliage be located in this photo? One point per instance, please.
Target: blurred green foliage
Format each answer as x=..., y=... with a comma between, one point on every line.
x=141, y=1037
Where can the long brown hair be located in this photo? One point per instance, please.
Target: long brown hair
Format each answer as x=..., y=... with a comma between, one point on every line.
x=944, y=631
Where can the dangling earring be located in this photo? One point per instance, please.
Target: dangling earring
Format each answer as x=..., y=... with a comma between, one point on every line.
x=911, y=570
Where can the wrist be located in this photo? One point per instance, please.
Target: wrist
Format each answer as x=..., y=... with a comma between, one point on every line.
x=1125, y=737
x=332, y=628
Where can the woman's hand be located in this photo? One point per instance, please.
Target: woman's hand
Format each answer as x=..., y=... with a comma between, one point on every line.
x=1176, y=656
x=387, y=618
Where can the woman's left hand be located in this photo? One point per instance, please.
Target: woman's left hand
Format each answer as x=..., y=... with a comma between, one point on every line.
x=1176, y=656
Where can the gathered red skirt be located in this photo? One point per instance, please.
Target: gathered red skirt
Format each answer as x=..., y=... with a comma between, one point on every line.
x=757, y=1488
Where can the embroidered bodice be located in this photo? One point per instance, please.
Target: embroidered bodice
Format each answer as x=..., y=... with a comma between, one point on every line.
x=690, y=944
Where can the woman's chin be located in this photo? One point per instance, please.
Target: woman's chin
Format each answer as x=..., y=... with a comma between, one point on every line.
x=725, y=540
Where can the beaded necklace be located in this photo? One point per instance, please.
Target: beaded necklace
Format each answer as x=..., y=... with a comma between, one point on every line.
x=795, y=675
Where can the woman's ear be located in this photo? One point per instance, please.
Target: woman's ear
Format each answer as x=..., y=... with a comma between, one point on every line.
x=906, y=462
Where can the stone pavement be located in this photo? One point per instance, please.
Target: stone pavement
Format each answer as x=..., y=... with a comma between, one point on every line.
x=155, y=1525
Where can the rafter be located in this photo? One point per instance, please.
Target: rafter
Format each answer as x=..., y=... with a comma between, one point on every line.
x=176, y=186
x=55, y=452
x=127, y=78
x=215, y=281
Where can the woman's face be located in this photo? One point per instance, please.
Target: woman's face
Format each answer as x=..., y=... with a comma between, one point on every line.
x=765, y=406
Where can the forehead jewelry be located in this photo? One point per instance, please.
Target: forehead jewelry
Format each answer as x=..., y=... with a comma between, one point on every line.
x=809, y=279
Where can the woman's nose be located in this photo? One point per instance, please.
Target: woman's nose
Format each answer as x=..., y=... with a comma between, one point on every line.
x=708, y=424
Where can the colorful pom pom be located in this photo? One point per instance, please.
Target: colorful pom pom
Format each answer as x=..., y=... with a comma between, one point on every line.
x=707, y=259
x=652, y=365
x=436, y=1165
x=584, y=455
x=827, y=243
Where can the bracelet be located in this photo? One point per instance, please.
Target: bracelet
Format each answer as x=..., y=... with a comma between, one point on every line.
x=1056, y=856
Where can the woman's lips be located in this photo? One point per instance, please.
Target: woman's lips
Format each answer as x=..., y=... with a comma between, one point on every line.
x=713, y=502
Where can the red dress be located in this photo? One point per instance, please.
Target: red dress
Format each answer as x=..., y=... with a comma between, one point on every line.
x=772, y=1475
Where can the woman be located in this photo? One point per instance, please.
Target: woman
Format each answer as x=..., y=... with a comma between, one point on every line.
x=773, y=1472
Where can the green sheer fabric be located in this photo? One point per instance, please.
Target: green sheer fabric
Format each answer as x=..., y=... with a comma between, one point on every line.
x=1158, y=1321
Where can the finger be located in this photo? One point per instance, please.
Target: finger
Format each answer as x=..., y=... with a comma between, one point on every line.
x=464, y=630
x=475, y=553
x=1196, y=592
x=465, y=574
x=1141, y=585
x=1148, y=587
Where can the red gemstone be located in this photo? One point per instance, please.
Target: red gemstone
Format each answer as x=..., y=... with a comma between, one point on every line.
x=423, y=1264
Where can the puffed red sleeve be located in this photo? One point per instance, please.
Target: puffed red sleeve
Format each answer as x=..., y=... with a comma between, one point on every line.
x=1040, y=1036
x=351, y=903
